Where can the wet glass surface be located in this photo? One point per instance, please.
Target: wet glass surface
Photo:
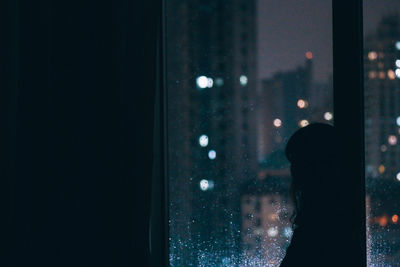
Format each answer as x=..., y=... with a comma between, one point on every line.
x=382, y=128
x=242, y=76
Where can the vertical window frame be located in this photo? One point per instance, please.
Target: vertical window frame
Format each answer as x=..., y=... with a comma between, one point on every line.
x=348, y=92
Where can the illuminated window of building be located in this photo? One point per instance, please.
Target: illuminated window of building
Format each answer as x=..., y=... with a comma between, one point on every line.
x=372, y=74
x=392, y=140
x=372, y=55
x=303, y=123
x=391, y=74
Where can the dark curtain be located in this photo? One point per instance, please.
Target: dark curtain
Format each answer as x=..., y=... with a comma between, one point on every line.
x=79, y=92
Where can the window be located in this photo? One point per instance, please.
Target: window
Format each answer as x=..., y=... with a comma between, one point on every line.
x=233, y=208
x=382, y=107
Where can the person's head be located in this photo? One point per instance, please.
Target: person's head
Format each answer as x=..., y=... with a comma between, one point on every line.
x=312, y=152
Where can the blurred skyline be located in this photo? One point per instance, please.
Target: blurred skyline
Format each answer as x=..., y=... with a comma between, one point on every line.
x=276, y=25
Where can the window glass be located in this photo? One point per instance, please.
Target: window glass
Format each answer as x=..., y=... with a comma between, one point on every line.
x=382, y=129
x=242, y=76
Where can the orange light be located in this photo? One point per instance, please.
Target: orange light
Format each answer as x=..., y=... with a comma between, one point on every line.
x=309, y=55
x=381, y=169
x=302, y=103
x=383, y=221
x=391, y=74
x=395, y=218
x=273, y=217
x=372, y=74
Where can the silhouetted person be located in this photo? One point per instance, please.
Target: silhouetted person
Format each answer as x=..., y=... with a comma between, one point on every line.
x=322, y=227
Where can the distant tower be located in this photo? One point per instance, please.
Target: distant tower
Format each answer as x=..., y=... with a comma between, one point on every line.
x=284, y=105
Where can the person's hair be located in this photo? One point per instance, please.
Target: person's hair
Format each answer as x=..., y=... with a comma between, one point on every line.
x=311, y=151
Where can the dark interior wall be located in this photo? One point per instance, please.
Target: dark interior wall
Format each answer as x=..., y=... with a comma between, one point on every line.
x=80, y=78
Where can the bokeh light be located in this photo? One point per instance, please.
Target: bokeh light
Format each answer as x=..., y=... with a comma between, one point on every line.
x=277, y=123
x=328, y=116
x=203, y=140
x=212, y=154
x=202, y=82
x=302, y=103
x=303, y=123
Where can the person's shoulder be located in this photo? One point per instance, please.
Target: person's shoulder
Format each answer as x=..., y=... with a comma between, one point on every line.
x=293, y=252
x=305, y=248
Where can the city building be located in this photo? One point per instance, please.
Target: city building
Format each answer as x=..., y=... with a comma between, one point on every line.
x=265, y=211
x=382, y=100
x=382, y=151
x=284, y=106
x=211, y=81
x=288, y=101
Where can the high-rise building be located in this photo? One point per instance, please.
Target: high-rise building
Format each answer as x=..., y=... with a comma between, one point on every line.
x=382, y=148
x=283, y=106
x=211, y=80
x=382, y=99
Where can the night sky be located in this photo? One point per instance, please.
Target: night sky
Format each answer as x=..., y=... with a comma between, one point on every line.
x=289, y=28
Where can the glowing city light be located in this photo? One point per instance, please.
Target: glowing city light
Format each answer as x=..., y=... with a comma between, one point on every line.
x=212, y=154
x=395, y=218
x=309, y=55
x=272, y=231
x=383, y=221
x=243, y=80
x=391, y=74
x=202, y=82
x=381, y=75
x=204, y=185
x=381, y=168
x=210, y=82
x=203, y=140
x=302, y=103
x=303, y=123
x=397, y=63
x=372, y=74
x=273, y=217
x=328, y=116
x=372, y=55
x=398, y=176
x=392, y=140
x=277, y=123
x=398, y=121
x=397, y=72
x=398, y=45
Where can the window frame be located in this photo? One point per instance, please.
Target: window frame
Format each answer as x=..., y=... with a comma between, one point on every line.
x=348, y=95
x=349, y=121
